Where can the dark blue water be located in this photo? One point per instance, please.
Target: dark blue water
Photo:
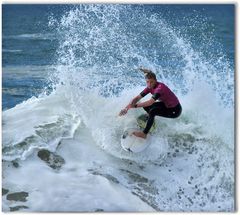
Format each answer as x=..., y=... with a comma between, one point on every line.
x=198, y=22
x=29, y=40
x=25, y=28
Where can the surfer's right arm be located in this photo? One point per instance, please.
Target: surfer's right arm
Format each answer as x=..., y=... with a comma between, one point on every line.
x=130, y=105
x=134, y=101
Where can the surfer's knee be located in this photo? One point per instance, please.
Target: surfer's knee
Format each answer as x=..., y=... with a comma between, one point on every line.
x=178, y=112
x=152, y=112
x=146, y=109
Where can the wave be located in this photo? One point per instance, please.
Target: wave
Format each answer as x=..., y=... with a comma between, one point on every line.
x=192, y=151
x=35, y=36
x=12, y=50
x=95, y=73
x=31, y=125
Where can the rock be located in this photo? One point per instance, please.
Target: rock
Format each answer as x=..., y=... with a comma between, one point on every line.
x=19, y=196
x=135, y=177
x=4, y=191
x=99, y=210
x=17, y=208
x=15, y=164
x=52, y=160
x=197, y=192
x=107, y=176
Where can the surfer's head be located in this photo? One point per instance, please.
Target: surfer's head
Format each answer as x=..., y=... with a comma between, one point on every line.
x=150, y=78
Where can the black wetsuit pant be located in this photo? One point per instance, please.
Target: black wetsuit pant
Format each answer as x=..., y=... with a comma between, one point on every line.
x=159, y=109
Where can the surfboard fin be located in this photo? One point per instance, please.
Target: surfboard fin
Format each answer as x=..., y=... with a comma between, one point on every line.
x=124, y=134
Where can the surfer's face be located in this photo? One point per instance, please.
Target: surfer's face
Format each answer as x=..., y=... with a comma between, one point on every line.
x=151, y=83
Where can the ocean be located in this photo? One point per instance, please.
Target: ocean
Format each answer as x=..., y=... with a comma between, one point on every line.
x=67, y=72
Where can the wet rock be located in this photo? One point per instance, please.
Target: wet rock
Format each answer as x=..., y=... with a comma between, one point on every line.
x=18, y=196
x=99, y=210
x=59, y=144
x=15, y=164
x=181, y=191
x=107, y=176
x=135, y=177
x=4, y=191
x=142, y=187
x=213, y=200
x=203, y=204
x=17, y=208
x=190, y=200
x=197, y=192
x=52, y=160
x=111, y=178
x=184, y=137
x=149, y=189
x=149, y=201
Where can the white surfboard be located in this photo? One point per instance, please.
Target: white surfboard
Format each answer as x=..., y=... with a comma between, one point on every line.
x=131, y=143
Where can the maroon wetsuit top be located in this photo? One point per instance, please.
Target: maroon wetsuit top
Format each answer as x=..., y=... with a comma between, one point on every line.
x=163, y=93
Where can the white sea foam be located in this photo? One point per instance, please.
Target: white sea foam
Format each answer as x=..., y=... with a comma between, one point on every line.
x=94, y=155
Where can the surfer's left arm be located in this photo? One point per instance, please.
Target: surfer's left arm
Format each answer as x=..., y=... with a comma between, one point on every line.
x=145, y=104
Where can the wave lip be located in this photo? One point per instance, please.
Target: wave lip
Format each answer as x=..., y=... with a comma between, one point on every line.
x=32, y=125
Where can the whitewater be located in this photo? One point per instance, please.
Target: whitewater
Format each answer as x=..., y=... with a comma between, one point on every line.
x=61, y=149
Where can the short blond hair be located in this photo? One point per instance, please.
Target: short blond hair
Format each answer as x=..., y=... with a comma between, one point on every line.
x=148, y=74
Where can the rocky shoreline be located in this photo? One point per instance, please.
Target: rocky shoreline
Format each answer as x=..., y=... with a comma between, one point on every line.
x=51, y=159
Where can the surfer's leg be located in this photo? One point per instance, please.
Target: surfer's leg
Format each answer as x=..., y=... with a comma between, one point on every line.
x=159, y=109
x=147, y=109
x=152, y=111
x=163, y=111
x=152, y=114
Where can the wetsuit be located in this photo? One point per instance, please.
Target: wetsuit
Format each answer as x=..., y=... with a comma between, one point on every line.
x=166, y=105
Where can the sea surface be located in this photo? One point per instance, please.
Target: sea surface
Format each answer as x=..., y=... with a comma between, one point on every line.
x=67, y=72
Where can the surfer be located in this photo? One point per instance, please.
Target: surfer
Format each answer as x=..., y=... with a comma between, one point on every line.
x=162, y=103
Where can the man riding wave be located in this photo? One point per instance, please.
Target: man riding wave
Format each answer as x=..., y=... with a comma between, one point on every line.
x=162, y=103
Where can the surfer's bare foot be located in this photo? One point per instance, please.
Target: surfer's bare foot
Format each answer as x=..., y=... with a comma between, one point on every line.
x=139, y=134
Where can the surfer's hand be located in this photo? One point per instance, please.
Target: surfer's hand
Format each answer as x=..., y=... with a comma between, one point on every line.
x=123, y=112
